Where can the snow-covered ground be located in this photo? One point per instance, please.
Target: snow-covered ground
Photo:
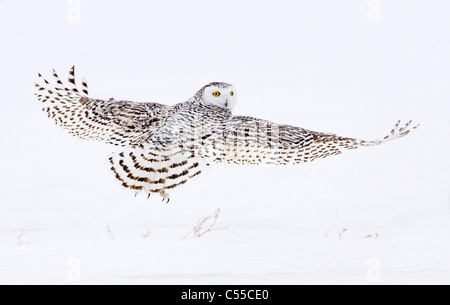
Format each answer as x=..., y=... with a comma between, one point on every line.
x=375, y=215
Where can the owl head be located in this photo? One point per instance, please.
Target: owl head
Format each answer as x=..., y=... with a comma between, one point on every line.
x=218, y=94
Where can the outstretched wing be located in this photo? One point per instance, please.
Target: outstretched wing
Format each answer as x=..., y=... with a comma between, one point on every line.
x=120, y=123
x=247, y=140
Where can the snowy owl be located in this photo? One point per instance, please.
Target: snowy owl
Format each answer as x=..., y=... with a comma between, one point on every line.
x=163, y=147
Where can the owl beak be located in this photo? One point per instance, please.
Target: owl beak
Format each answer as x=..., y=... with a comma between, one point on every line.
x=226, y=103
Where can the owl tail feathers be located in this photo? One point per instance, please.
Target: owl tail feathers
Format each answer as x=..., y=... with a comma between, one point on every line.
x=159, y=172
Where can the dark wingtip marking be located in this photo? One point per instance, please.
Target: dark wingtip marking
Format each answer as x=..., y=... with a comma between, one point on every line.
x=84, y=87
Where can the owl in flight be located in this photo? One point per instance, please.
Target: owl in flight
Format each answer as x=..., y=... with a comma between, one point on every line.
x=163, y=147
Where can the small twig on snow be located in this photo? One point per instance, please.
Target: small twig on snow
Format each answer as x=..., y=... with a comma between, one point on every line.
x=199, y=230
x=20, y=242
x=109, y=231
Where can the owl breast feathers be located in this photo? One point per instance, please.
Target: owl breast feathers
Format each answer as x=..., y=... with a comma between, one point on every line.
x=163, y=147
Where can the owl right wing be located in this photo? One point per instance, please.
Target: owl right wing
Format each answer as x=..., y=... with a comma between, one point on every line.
x=120, y=123
x=247, y=140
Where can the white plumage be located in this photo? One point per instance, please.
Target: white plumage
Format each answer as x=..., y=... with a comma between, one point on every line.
x=165, y=146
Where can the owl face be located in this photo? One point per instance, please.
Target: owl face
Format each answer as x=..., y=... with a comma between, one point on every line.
x=220, y=94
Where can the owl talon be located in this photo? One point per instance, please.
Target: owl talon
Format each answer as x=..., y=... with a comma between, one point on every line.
x=148, y=196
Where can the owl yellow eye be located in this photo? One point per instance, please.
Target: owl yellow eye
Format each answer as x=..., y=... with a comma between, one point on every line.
x=217, y=93
x=231, y=93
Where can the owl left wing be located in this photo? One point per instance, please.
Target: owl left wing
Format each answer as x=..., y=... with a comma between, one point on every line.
x=247, y=140
x=120, y=123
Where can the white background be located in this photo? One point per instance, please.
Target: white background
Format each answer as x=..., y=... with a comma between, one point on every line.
x=348, y=67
